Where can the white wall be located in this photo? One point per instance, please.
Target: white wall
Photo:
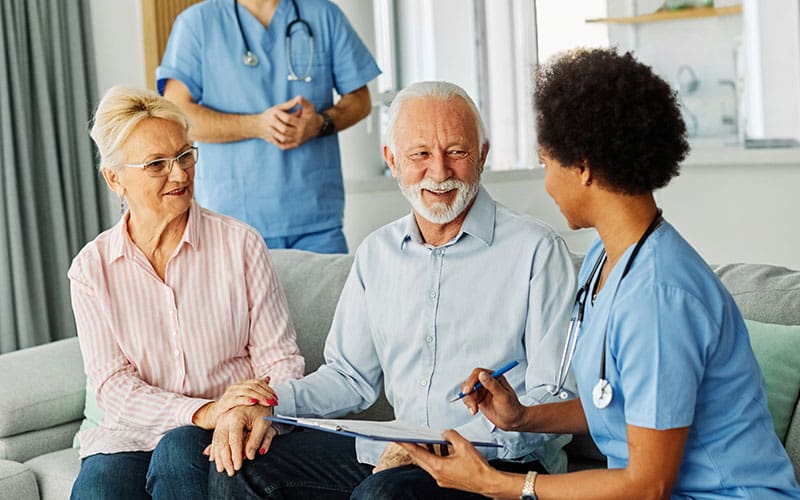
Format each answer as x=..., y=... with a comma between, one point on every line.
x=118, y=42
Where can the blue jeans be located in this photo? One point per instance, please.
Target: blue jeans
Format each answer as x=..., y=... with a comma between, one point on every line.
x=325, y=241
x=176, y=469
x=319, y=465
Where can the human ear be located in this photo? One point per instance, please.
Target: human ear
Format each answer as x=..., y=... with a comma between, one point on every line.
x=112, y=181
x=388, y=157
x=484, y=155
x=585, y=173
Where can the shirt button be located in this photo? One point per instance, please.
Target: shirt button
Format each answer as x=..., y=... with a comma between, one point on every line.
x=433, y=294
x=177, y=353
x=175, y=333
x=429, y=339
x=423, y=383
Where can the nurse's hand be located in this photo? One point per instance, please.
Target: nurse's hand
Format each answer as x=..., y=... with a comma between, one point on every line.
x=292, y=123
x=278, y=124
x=464, y=468
x=496, y=400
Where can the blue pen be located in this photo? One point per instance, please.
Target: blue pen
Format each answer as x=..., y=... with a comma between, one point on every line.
x=477, y=386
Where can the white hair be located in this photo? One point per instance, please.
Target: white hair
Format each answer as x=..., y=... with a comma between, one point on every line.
x=443, y=91
x=120, y=110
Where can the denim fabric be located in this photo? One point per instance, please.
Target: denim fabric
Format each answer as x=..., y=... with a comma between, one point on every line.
x=178, y=468
x=299, y=465
x=326, y=241
x=175, y=470
x=308, y=464
x=112, y=476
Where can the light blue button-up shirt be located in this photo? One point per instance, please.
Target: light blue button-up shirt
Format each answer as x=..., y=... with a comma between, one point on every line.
x=280, y=193
x=417, y=319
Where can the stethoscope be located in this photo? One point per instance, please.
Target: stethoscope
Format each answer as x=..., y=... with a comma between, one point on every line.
x=250, y=59
x=602, y=393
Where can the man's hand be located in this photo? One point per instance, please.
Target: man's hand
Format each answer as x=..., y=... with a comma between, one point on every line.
x=393, y=456
x=290, y=124
x=496, y=400
x=240, y=433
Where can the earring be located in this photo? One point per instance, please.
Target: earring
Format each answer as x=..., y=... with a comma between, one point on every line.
x=122, y=206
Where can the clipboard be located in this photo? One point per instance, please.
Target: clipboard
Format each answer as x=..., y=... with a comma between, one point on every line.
x=369, y=429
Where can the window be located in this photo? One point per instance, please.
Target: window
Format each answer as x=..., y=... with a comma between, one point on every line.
x=490, y=48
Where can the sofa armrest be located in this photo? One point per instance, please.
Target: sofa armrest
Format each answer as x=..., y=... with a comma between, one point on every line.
x=42, y=387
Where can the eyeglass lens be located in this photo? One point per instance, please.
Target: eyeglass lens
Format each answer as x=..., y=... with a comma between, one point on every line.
x=162, y=166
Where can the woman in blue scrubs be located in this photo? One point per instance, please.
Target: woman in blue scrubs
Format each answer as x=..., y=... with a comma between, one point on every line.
x=668, y=384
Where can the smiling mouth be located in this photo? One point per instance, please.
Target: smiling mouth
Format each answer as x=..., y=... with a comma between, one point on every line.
x=176, y=192
x=439, y=193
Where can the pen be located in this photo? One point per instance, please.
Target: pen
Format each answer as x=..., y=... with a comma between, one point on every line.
x=495, y=374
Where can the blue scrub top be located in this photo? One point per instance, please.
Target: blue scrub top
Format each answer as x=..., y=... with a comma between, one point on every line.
x=679, y=355
x=280, y=193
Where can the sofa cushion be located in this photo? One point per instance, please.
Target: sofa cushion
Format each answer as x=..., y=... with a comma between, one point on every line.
x=764, y=293
x=312, y=283
x=91, y=413
x=23, y=446
x=55, y=472
x=43, y=394
x=17, y=481
x=776, y=348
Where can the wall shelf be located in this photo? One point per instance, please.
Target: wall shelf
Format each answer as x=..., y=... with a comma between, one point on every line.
x=671, y=15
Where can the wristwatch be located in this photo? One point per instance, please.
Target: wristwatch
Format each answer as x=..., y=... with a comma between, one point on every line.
x=327, y=127
x=528, y=490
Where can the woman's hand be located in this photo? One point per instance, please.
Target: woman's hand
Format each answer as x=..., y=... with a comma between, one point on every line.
x=245, y=393
x=463, y=468
x=496, y=400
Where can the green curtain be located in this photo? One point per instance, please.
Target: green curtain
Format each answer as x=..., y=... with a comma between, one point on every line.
x=51, y=197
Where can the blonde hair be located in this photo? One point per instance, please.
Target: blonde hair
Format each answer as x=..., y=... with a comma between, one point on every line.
x=120, y=110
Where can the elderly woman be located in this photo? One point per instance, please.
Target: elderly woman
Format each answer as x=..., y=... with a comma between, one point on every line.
x=180, y=315
x=667, y=382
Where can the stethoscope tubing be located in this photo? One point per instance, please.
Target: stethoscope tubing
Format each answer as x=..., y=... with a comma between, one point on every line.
x=576, y=321
x=250, y=59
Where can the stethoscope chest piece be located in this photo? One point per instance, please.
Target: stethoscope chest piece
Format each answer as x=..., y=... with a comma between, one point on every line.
x=250, y=59
x=602, y=394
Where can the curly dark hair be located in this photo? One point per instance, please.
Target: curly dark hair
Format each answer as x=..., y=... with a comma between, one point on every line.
x=613, y=113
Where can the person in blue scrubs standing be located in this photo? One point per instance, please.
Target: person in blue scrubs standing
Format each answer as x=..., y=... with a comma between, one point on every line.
x=256, y=79
x=667, y=381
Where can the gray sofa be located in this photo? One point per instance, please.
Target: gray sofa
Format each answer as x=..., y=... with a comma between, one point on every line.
x=42, y=391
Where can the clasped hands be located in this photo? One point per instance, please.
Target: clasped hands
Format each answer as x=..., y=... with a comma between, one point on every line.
x=237, y=418
x=290, y=124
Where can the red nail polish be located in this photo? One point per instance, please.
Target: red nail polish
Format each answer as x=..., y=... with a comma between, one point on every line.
x=253, y=400
x=262, y=451
x=272, y=402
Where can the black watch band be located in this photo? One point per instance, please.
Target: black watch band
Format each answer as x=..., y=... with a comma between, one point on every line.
x=327, y=127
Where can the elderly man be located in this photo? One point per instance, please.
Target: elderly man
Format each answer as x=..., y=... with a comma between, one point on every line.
x=459, y=282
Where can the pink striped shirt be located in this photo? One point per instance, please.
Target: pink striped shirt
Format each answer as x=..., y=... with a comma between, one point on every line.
x=156, y=351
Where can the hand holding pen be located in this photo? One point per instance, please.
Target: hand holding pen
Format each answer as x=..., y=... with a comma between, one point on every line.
x=469, y=388
x=496, y=399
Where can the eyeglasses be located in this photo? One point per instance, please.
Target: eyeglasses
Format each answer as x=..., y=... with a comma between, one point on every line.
x=161, y=167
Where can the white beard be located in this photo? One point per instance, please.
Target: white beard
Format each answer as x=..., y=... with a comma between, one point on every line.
x=440, y=213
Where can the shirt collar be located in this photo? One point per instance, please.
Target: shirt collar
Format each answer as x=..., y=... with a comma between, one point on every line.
x=478, y=223
x=121, y=245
